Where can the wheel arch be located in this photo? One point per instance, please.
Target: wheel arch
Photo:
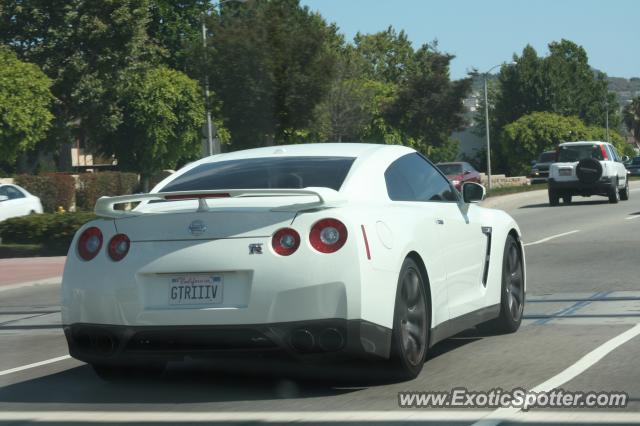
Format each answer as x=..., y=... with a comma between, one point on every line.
x=413, y=255
x=516, y=235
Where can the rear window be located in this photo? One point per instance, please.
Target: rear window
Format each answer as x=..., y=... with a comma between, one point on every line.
x=450, y=169
x=571, y=153
x=265, y=173
x=547, y=157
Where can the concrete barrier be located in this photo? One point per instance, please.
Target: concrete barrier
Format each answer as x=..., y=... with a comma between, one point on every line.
x=501, y=181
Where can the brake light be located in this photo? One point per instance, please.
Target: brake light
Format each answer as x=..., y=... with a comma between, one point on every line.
x=119, y=247
x=196, y=196
x=328, y=235
x=90, y=243
x=604, y=152
x=285, y=241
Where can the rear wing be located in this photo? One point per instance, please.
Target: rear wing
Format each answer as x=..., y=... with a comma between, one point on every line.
x=327, y=197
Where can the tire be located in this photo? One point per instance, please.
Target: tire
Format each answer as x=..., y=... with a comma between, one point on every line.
x=512, y=296
x=589, y=171
x=624, y=192
x=614, y=194
x=554, y=197
x=123, y=374
x=411, y=322
x=567, y=198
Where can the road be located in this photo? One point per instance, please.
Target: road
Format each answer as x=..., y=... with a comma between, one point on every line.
x=578, y=333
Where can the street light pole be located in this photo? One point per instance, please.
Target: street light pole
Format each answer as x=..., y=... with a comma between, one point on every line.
x=486, y=125
x=213, y=145
x=486, y=122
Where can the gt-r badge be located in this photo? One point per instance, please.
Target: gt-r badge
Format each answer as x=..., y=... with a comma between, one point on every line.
x=197, y=227
x=255, y=248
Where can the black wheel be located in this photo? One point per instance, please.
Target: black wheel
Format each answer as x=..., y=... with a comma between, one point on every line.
x=624, y=192
x=513, y=294
x=566, y=198
x=614, y=194
x=127, y=373
x=411, y=322
x=554, y=197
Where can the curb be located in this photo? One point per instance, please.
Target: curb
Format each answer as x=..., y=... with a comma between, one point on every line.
x=42, y=282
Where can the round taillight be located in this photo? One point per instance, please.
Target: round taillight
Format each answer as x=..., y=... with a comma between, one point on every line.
x=285, y=241
x=90, y=243
x=328, y=235
x=119, y=247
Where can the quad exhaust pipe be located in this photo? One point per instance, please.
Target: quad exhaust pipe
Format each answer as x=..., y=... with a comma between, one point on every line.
x=304, y=340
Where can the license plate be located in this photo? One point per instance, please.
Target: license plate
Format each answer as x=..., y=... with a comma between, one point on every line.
x=195, y=290
x=565, y=172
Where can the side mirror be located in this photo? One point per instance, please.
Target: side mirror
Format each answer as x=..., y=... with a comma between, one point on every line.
x=473, y=192
x=3, y=198
x=625, y=159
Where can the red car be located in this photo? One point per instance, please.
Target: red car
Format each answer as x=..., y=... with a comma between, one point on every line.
x=459, y=172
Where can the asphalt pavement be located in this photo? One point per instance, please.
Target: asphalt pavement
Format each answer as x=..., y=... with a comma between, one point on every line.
x=580, y=333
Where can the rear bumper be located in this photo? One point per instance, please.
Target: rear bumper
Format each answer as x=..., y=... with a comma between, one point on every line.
x=576, y=187
x=302, y=340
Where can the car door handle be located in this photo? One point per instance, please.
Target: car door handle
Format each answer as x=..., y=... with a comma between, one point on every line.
x=440, y=221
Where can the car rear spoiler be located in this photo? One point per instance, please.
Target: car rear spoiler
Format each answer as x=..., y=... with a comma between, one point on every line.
x=327, y=197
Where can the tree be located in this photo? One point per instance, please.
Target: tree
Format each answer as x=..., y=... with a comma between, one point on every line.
x=387, y=54
x=428, y=107
x=272, y=63
x=161, y=125
x=88, y=48
x=562, y=83
x=175, y=26
x=25, y=99
x=631, y=115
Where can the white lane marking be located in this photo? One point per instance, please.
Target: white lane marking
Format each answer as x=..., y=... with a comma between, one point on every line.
x=544, y=240
x=44, y=281
x=632, y=217
x=587, y=361
x=243, y=417
x=398, y=415
x=34, y=365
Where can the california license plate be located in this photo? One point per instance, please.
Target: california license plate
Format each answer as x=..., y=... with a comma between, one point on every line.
x=565, y=172
x=195, y=290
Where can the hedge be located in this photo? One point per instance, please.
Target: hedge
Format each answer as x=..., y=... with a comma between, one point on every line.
x=92, y=186
x=54, y=231
x=55, y=190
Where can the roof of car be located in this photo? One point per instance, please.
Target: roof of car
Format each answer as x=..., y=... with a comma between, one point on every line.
x=582, y=143
x=328, y=149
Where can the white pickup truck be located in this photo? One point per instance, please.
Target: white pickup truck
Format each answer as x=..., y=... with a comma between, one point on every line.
x=587, y=168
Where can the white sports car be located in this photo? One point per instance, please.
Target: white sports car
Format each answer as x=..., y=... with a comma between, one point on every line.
x=304, y=251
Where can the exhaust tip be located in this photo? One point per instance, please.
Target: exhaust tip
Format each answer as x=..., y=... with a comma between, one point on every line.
x=104, y=344
x=302, y=340
x=331, y=339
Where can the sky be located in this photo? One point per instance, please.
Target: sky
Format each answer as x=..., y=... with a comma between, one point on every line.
x=484, y=33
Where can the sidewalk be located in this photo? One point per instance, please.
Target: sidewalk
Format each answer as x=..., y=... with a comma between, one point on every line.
x=22, y=270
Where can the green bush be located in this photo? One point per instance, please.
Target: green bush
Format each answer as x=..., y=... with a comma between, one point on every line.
x=52, y=230
x=92, y=186
x=54, y=189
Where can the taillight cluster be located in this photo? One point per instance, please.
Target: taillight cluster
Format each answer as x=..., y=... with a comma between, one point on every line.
x=326, y=236
x=90, y=243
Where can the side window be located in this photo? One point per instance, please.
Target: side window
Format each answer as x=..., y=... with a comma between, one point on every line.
x=616, y=156
x=412, y=178
x=14, y=193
